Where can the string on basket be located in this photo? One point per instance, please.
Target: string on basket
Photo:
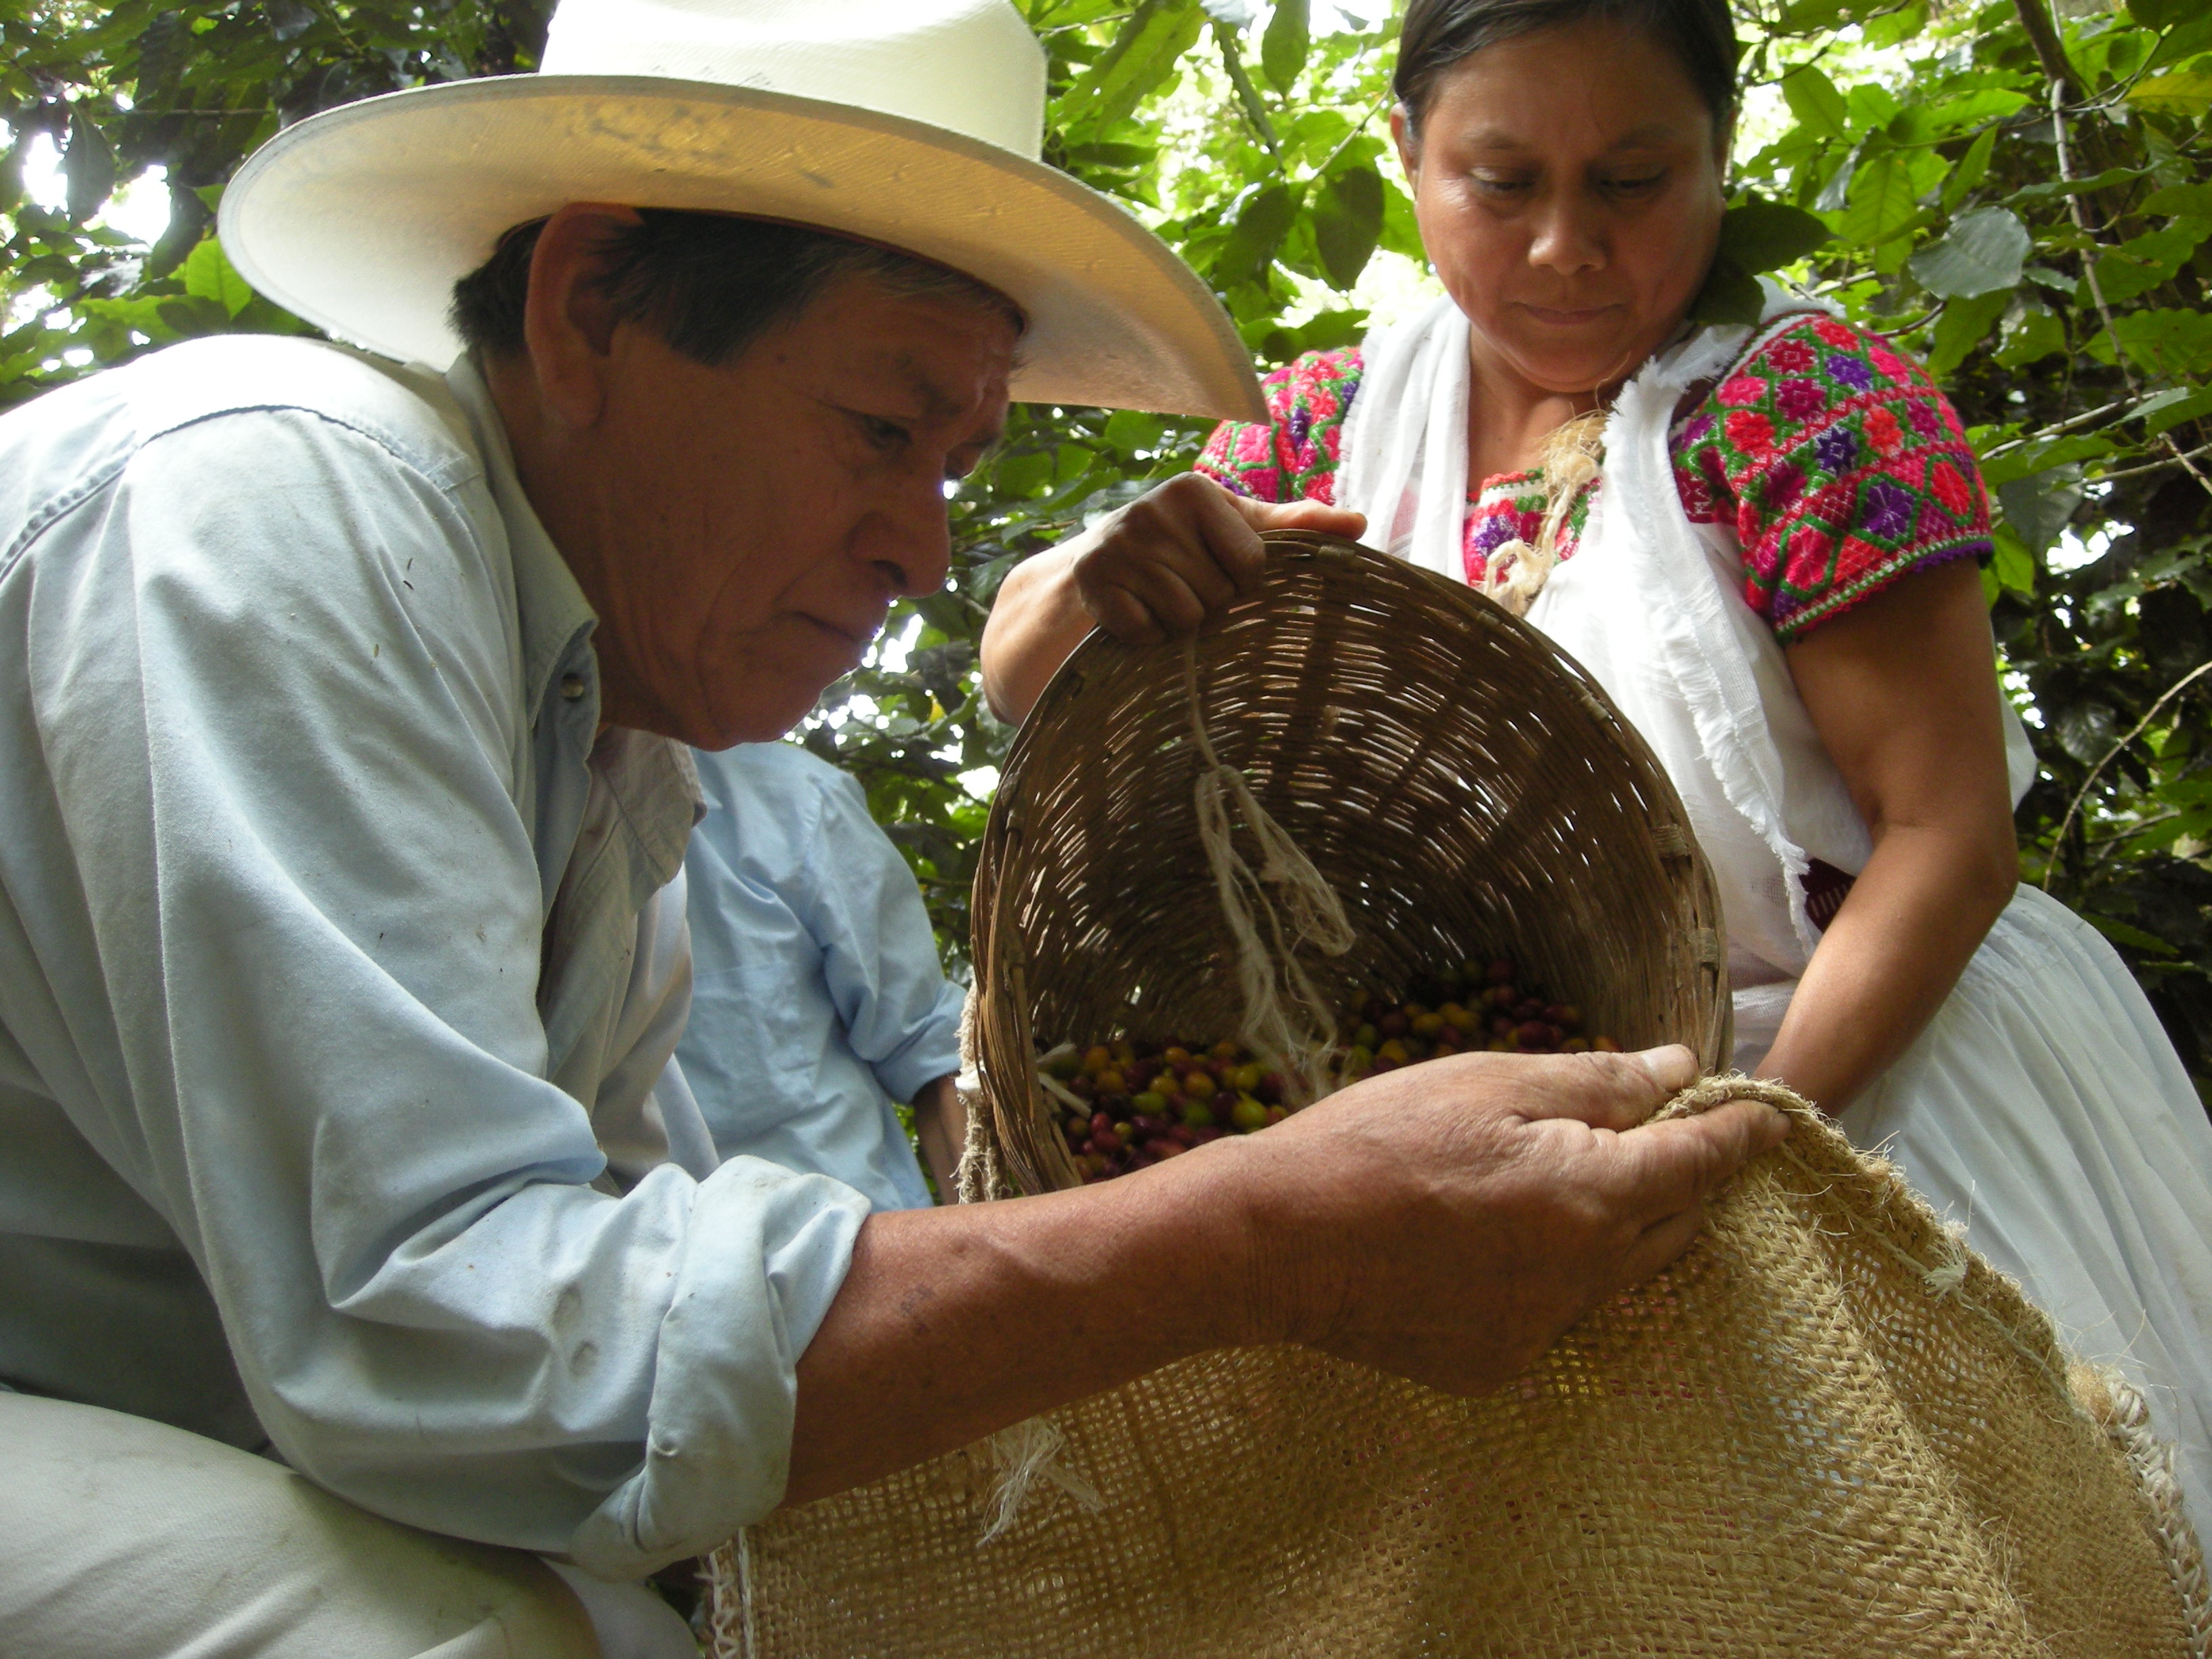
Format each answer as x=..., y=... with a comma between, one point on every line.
x=1272, y=912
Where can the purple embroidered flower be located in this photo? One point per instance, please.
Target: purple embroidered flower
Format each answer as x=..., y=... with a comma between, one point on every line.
x=1851, y=371
x=1799, y=398
x=1301, y=424
x=1496, y=530
x=1922, y=419
x=1697, y=430
x=1836, y=449
x=1888, y=510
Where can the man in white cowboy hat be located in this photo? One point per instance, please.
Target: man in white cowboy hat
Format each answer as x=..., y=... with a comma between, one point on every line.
x=343, y=800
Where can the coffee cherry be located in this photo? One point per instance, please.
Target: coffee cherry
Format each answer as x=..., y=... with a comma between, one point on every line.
x=1249, y=1115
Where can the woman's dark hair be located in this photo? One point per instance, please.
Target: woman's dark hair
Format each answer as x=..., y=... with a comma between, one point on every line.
x=1438, y=34
x=708, y=283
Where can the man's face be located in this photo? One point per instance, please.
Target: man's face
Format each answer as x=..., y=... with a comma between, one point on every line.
x=755, y=520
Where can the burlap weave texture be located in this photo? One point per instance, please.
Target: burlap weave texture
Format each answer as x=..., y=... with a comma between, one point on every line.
x=1826, y=1430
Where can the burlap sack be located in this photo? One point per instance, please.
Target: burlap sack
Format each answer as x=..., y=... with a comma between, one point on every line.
x=1828, y=1429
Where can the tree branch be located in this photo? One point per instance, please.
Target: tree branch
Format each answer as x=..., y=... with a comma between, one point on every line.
x=2050, y=51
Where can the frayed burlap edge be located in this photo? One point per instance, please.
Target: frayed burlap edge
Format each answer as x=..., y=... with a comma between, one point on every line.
x=2098, y=1395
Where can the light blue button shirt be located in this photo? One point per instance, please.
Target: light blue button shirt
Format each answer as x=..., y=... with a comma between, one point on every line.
x=816, y=996
x=340, y=964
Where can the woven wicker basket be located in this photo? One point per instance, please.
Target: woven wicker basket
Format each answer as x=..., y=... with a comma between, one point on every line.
x=1467, y=790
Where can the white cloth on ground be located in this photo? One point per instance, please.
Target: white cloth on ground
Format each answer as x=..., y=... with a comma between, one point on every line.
x=816, y=996
x=340, y=974
x=2082, y=1162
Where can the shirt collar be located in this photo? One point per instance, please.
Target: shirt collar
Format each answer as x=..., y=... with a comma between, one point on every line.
x=554, y=615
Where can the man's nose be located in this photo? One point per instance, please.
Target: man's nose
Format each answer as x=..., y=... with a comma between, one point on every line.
x=912, y=550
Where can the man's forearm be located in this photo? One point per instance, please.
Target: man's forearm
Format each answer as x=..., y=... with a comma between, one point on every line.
x=955, y=1321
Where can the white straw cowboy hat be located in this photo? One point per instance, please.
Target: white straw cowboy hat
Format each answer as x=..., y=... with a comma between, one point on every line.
x=915, y=124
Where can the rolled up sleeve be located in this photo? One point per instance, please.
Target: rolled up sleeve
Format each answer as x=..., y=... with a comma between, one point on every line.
x=276, y=685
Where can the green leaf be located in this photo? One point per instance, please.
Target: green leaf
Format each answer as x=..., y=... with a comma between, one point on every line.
x=1130, y=432
x=2172, y=342
x=1963, y=325
x=1974, y=109
x=89, y=168
x=1982, y=252
x=2178, y=200
x=2171, y=408
x=1731, y=295
x=2121, y=932
x=1347, y=222
x=2031, y=334
x=1972, y=168
x=210, y=275
x=2042, y=454
x=2141, y=263
x=1143, y=54
x=2189, y=92
x=1253, y=239
x=1814, y=99
x=2048, y=188
x=2011, y=564
x=1885, y=197
x=1761, y=236
x=2041, y=505
x=1285, y=46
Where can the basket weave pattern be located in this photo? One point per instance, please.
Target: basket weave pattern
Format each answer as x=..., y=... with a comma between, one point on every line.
x=1465, y=788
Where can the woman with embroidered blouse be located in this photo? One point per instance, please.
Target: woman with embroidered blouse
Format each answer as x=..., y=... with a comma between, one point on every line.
x=1763, y=542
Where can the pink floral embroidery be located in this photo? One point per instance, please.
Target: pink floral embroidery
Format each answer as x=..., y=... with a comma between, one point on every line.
x=1798, y=399
x=1752, y=433
x=1742, y=391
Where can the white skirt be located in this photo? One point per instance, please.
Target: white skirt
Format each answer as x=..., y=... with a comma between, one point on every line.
x=2045, y=1109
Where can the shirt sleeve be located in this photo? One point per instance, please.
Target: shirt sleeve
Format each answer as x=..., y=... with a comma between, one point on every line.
x=878, y=952
x=1840, y=465
x=277, y=697
x=1293, y=457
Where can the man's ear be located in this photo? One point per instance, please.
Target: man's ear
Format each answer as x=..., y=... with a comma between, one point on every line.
x=1409, y=146
x=567, y=321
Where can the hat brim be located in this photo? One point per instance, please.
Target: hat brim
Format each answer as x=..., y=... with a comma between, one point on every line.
x=362, y=219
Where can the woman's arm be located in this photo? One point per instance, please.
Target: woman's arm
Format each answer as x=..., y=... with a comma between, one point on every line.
x=1157, y=570
x=1902, y=690
x=940, y=1123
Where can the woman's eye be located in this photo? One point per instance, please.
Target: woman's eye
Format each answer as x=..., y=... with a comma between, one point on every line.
x=1494, y=185
x=884, y=434
x=1636, y=184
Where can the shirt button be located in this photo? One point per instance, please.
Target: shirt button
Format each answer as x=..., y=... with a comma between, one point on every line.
x=572, y=686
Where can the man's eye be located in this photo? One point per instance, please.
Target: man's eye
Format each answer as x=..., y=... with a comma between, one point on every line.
x=1495, y=185
x=1636, y=184
x=884, y=434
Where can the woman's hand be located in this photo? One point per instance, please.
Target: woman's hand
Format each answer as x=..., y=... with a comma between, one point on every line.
x=1157, y=570
x=1903, y=691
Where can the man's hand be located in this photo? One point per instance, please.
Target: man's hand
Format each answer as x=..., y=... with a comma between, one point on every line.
x=1445, y=1222
x=1157, y=570
x=1448, y=1221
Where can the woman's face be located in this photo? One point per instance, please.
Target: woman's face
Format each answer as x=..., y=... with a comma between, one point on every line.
x=1568, y=184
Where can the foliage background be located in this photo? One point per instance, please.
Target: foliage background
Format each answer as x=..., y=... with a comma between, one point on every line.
x=2020, y=196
